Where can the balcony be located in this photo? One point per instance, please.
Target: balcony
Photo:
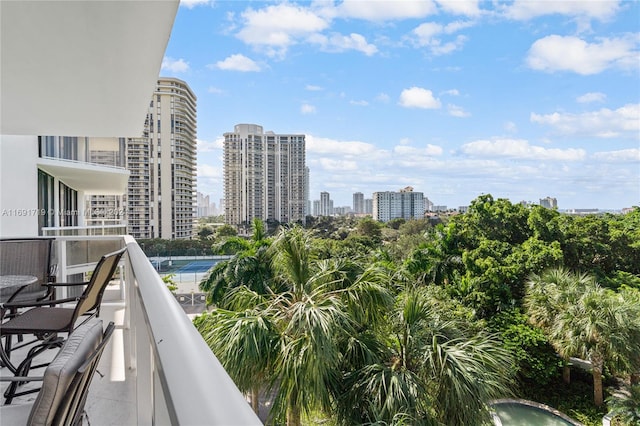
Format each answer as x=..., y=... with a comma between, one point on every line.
x=157, y=369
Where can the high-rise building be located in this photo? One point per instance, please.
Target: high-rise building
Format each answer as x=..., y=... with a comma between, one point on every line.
x=368, y=206
x=358, y=203
x=102, y=209
x=326, y=205
x=307, y=183
x=428, y=205
x=264, y=176
x=161, y=196
x=204, y=205
x=549, y=202
x=404, y=204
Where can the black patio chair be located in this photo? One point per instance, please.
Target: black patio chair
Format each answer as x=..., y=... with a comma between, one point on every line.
x=66, y=381
x=27, y=256
x=47, y=318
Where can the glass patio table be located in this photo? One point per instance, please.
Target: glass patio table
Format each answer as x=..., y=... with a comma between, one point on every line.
x=16, y=282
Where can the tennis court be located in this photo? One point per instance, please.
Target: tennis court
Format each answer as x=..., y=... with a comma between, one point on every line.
x=195, y=266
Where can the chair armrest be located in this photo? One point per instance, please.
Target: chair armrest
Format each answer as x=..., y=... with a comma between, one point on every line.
x=22, y=379
x=43, y=303
x=66, y=284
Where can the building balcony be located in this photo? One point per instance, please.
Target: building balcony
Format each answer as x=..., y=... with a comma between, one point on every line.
x=87, y=177
x=156, y=369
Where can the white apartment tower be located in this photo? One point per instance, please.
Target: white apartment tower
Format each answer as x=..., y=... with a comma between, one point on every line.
x=264, y=176
x=326, y=204
x=404, y=204
x=161, y=194
x=358, y=203
x=307, y=183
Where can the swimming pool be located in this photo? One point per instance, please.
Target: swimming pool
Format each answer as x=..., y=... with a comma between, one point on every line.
x=520, y=412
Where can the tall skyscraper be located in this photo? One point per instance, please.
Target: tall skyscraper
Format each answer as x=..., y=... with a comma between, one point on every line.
x=405, y=204
x=161, y=196
x=368, y=206
x=358, y=203
x=326, y=204
x=204, y=205
x=307, y=183
x=264, y=176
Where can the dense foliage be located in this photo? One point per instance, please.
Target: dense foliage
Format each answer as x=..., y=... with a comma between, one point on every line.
x=426, y=321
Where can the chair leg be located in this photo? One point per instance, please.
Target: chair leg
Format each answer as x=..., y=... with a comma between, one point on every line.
x=5, y=354
x=25, y=366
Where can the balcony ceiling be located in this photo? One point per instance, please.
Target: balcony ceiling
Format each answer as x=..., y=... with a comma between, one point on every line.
x=86, y=177
x=80, y=68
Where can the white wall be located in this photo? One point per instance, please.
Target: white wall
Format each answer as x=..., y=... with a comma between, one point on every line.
x=18, y=186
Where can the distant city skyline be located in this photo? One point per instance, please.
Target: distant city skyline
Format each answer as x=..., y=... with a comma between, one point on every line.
x=521, y=100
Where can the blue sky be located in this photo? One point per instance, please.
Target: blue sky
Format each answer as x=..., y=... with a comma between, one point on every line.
x=519, y=99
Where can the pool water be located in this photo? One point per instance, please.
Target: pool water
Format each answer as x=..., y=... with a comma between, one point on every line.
x=515, y=414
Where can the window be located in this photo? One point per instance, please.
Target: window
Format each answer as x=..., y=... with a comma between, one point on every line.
x=46, y=202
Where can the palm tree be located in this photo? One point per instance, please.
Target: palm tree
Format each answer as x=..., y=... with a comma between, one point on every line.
x=602, y=328
x=433, y=372
x=624, y=404
x=547, y=294
x=250, y=266
x=586, y=321
x=322, y=309
x=246, y=344
x=435, y=261
x=300, y=328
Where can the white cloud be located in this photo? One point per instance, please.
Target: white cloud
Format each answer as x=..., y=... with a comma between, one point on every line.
x=527, y=9
x=332, y=164
x=238, y=62
x=204, y=146
x=520, y=149
x=307, y=109
x=457, y=111
x=215, y=90
x=591, y=97
x=385, y=10
x=438, y=48
x=460, y=7
x=279, y=26
x=604, y=123
x=558, y=53
x=510, y=127
x=312, y=88
x=504, y=167
x=207, y=171
x=452, y=92
x=319, y=145
x=428, y=35
x=417, y=97
x=426, y=31
x=410, y=151
x=621, y=156
x=341, y=43
x=174, y=65
x=383, y=97
x=359, y=103
x=190, y=4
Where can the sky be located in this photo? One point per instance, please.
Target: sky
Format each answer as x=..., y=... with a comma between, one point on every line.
x=517, y=99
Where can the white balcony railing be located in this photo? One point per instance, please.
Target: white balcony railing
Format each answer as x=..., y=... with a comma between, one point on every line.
x=178, y=380
x=105, y=228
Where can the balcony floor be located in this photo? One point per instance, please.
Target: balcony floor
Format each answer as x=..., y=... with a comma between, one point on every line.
x=112, y=398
